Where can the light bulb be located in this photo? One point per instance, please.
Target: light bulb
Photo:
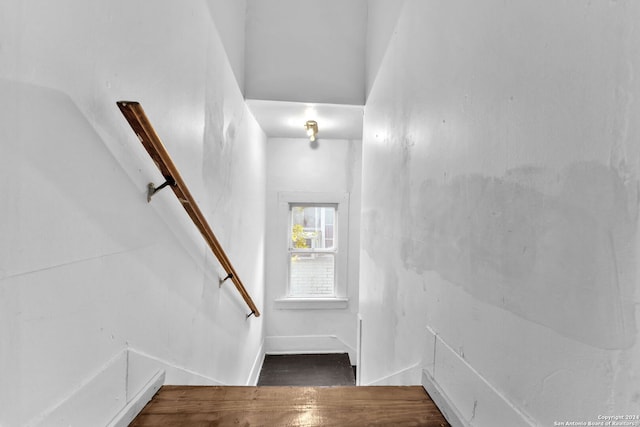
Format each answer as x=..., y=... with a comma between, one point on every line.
x=312, y=129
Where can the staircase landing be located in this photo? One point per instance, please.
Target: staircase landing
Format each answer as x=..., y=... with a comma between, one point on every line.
x=307, y=370
x=290, y=406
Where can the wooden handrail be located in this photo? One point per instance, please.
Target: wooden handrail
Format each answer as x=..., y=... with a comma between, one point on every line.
x=136, y=117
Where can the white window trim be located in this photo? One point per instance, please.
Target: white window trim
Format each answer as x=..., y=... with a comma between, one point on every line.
x=340, y=300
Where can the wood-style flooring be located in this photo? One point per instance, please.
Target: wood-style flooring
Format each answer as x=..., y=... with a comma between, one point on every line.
x=290, y=406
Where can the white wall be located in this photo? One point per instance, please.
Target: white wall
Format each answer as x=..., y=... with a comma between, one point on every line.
x=294, y=166
x=382, y=17
x=229, y=19
x=88, y=269
x=500, y=209
x=306, y=51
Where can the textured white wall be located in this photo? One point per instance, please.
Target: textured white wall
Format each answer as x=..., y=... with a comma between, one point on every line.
x=500, y=207
x=293, y=166
x=229, y=19
x=88, y=269
x=382, y=17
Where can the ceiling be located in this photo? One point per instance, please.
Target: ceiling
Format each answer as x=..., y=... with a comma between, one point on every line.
x=291, y=56
x=284, y=119
x=305, y=60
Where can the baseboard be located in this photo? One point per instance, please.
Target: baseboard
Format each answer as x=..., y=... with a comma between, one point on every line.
x=138, y=402
x=359, y=350
x=94, y=401
x=406, y=376
x=442, y=402
x=465, y=395
x=118, y=388
x=140, y=362
x=308, y=344
x=257, y=366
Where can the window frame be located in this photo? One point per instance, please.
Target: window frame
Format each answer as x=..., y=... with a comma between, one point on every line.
x=341, y=234
x=333, y=250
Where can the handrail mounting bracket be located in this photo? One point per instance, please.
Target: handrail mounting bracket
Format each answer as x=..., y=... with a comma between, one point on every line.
x=152, y=189
x=229, y=276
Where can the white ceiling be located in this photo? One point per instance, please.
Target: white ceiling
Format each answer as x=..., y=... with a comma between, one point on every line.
x=290, y=56
x=283, y=119
x=306, y=51
x=305, y=60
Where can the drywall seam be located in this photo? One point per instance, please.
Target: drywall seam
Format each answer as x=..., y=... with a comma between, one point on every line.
x=138, y=402
x=16, y=274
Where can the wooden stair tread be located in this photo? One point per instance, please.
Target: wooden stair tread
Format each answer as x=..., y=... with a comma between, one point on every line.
x=290, y=406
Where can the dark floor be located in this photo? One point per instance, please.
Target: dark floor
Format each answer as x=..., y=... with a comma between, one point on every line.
x=307, y=370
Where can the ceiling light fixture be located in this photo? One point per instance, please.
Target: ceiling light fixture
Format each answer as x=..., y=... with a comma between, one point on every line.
x=312, y=129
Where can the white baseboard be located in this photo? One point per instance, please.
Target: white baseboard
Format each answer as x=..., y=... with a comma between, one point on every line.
x=442, y=402
x=308, y=344
x=406, y=376
x=359, y=351
x=257, y=366
x=465, y=395
x=94, y=401
x=140, y=362
x=119, y=389
x=122, y=386
x=138, y=402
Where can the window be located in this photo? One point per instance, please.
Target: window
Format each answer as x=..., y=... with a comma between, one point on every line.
x=312, y=250
x=314, y=265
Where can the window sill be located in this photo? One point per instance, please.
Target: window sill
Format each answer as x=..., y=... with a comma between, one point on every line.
x=311, y=303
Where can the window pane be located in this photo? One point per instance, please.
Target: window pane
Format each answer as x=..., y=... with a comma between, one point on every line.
x=312, y=227
x=311, y=274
